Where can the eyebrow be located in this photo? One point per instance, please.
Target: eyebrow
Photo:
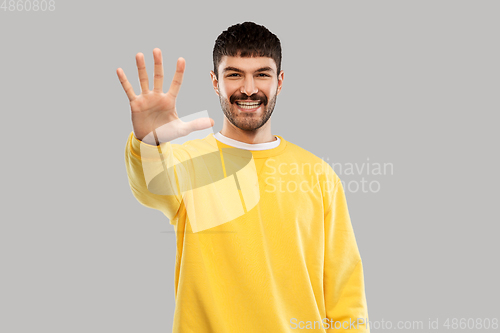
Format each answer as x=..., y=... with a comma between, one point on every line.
x=262, y=69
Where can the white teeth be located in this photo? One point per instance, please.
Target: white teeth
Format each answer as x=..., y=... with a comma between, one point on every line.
x=248, y=105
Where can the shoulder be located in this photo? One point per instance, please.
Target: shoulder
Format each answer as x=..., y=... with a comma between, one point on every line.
x=319, y=166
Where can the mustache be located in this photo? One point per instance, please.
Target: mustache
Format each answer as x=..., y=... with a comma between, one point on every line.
x=254, y=97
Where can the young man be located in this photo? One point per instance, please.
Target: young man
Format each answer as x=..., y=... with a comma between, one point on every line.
x=264, y=238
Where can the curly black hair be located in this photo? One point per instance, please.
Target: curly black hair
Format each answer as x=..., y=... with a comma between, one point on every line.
x=247, y=39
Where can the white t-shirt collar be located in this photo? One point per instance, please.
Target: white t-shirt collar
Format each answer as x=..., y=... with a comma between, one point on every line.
x=247, y=146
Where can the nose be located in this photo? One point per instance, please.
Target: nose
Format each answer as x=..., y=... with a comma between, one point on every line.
x=249, y=87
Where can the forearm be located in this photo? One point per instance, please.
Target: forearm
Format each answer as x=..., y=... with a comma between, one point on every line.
x=151, y=175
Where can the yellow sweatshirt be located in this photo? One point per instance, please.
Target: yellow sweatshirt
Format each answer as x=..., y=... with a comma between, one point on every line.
x=264, y=239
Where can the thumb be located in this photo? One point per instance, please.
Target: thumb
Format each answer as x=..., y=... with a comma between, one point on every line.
x=200, y=124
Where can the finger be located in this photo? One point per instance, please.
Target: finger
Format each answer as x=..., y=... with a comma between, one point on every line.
x=175, y=86
x=143, y=75
x=199, y=124
x=158, y=79
x=126, y=85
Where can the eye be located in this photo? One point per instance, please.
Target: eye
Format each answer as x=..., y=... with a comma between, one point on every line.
x=263, y=75
x=232, y=75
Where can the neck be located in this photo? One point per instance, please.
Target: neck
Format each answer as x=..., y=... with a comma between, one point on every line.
x=260, y=135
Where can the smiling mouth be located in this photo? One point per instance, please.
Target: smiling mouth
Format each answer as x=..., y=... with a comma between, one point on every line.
x=250, y=105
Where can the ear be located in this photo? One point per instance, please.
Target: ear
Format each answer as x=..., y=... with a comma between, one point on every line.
x=214, y=82
x=280, y=81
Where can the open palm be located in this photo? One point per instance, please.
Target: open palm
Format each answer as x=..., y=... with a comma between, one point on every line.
x=154, y=115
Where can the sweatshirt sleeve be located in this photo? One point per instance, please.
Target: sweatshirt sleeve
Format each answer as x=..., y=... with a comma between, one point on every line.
x=153, y=183
x=344, y=288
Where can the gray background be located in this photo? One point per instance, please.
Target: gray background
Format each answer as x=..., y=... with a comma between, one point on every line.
x=412, y=83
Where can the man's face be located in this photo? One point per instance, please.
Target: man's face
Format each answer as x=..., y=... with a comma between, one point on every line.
x=247, y=89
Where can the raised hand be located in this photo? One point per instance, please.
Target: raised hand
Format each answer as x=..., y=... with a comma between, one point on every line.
x=154, y=115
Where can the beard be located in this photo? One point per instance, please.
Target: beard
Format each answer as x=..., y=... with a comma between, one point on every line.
x=248, y=121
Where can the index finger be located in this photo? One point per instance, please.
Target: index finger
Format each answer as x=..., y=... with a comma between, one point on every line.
x=175, y=86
